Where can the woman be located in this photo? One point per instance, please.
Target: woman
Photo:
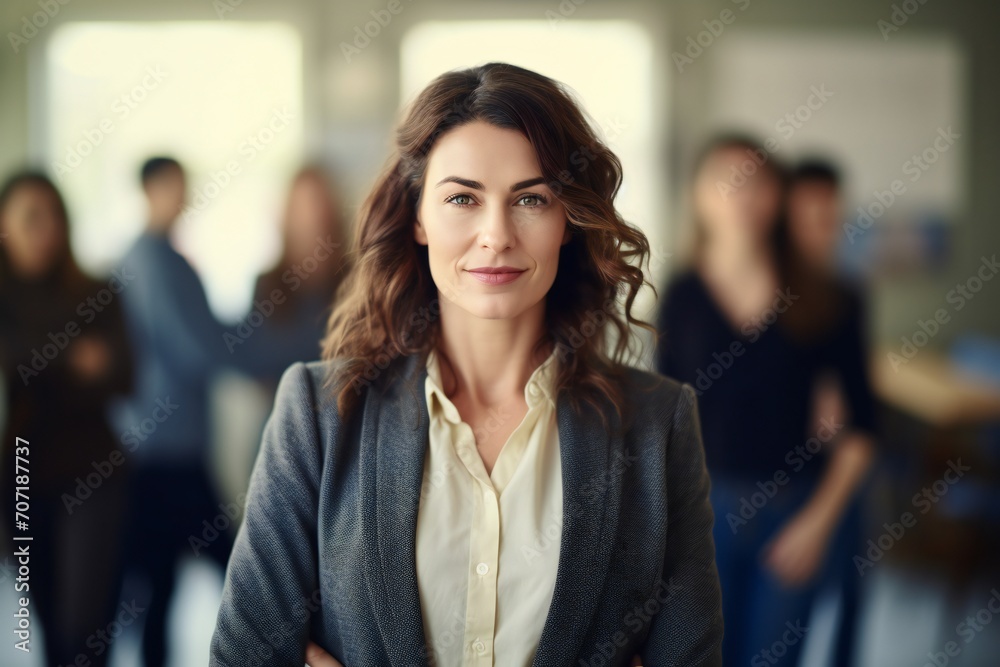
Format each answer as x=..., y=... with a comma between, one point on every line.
x=305, y=277
x=64, y=356
x=469, y=477
x=747, y=324
x=299, y=288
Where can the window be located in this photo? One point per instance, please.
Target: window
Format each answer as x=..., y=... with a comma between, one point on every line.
x=225, y=99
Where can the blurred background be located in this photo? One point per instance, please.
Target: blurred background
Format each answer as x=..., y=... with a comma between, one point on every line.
x=281, y=114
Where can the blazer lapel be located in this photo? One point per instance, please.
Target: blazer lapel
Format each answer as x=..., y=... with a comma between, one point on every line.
x=591, y=500
x=394, y=440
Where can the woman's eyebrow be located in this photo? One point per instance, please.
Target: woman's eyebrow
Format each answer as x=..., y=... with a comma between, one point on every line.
x=476, y=185
x=527, y=184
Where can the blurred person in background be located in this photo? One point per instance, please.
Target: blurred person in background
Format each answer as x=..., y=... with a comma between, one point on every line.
x=179, y=346
x=814, y=211
x=306, y=277
x=64, y=354
x=292, y=300
x=746, y=324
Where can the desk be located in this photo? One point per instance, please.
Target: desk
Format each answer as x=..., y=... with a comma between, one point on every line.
x=932, y=389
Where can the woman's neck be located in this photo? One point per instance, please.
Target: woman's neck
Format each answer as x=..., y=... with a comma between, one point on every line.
x=489, y=360
x=736, y=261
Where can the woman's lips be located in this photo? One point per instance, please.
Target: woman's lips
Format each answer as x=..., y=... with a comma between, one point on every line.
x=500, y=276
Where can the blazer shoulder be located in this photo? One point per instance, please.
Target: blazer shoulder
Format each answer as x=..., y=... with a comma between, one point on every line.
x=322, y=371
x=306, y=386
x=649, y=392
x=656, y=386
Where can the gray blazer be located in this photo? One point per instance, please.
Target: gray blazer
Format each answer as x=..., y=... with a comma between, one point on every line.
x=326, y=550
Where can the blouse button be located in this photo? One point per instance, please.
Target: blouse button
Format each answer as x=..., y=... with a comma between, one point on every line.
x=482, y=568
x=479, y=646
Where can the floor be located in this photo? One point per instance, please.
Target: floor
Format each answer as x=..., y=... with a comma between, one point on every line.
x=904, y=619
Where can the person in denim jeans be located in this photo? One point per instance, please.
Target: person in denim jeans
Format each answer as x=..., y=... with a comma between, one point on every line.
x=756, y=331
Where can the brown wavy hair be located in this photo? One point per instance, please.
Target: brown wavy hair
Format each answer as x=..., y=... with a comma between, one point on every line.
x=387, y=307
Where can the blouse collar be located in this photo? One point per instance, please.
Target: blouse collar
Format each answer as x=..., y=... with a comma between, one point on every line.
x=540, y=385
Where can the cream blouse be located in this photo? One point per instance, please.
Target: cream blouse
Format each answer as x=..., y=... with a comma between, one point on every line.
x=487, y=546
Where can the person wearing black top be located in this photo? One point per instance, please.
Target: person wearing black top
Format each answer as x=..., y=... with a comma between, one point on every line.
x=815, y=220
x=756, y=331
x=64, y=354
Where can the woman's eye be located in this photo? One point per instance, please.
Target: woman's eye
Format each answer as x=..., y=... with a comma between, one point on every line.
x=460, y=200
x=532, y=200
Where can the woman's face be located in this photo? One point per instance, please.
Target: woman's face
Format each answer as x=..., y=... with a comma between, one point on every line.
x=31, y=232
x=310, y=210
x=484, y=205
x=732, y=205
x=814, y=219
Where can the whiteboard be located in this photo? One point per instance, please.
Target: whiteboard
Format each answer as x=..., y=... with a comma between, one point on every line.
x=889, y=104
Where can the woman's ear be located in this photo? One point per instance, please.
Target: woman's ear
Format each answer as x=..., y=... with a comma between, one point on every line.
x=567, y=234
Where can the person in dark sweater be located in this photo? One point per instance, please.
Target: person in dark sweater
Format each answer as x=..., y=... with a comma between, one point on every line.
x=64, y=355
x=814, y=229
x=756, y=330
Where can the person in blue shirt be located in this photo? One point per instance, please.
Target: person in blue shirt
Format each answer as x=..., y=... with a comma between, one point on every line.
x=179, y=345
